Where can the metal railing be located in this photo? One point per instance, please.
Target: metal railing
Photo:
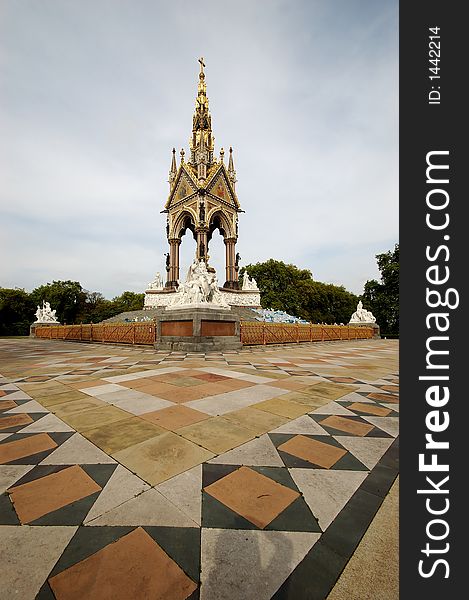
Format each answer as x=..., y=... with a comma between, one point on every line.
x=117, y=333
x=259, y=332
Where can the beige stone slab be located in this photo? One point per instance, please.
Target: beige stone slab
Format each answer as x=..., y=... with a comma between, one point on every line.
x=284, y=408
x=158, y=459
x=112, y=437
x=76, y=407
x=62, y=398
x=217, y=435
x=95, y=418
x=258, y=421
x=309, y=399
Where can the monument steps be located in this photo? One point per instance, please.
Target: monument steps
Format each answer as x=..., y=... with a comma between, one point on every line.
x=244, y=313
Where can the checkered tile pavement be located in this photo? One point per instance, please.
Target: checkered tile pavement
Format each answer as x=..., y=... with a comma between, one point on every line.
x=130, y=473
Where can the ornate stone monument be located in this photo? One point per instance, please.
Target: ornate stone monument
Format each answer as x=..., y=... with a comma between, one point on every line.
x=364, y=318
x=202, y=198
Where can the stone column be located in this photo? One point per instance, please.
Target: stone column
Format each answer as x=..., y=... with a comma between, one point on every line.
x=202, y=245
x=173, y=273
x=231, y=272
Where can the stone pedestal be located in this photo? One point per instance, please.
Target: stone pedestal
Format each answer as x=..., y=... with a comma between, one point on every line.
x=198, y=329
x=374, y=326
x=32, y=328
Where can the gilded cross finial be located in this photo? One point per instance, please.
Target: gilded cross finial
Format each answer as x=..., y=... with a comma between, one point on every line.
x=202, y=65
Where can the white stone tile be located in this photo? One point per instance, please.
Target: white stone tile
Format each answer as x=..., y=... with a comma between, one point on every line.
x=149, y=508
x=327, y=491
x=98, y=390
x=121, y=487
x=388, y=424
x=48, y=423
x=28, y=407
x=221, y=404
x=237, y=375
x=28, y=555
x=8, y=387
x=77, y=450
x=142, y=374
x=332, y=408
x=19, y=395
x=242, y=565
x=368, y=450
x=302, y=425
x=9, y=474
x=143, y=405
x=259, y=452
x=185, y=492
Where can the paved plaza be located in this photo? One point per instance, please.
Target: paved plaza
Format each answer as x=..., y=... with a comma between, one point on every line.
x=127, y=473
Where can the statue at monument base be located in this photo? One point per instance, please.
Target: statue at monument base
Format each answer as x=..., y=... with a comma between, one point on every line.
x=45, y=317
x=199, y=289
x=362, y=316
x=45, y=314
x=249, y=283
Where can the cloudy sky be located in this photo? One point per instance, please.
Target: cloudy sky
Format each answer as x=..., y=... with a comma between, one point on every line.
x=94, y=95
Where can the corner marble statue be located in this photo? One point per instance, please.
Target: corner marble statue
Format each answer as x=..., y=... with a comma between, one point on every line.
x=200, y=287
x=156, y=284
x=362, y=316
x=45, y=314
x=249, y=283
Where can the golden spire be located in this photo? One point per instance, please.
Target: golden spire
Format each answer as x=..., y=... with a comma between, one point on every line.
x=173, y=170
x=202, y=141
x=231, y=169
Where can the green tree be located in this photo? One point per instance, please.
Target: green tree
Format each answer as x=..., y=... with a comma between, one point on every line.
x=279, y=284
x=66, y=297
x=97, y=308
x=326, y=303
x=382, y=298
x=16, y=311
x=128, y=301
x=286, y=287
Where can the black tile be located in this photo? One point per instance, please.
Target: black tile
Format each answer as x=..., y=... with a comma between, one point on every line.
x=278, y=474
x=345, y=532
x=214, y=472
x=314, y=577
x=379, y=480
x=296, y=517
x=100, y=473
x=87, y=541
x=7, y=512
x=72, y=514
x=45, y=593
x=182, y=544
